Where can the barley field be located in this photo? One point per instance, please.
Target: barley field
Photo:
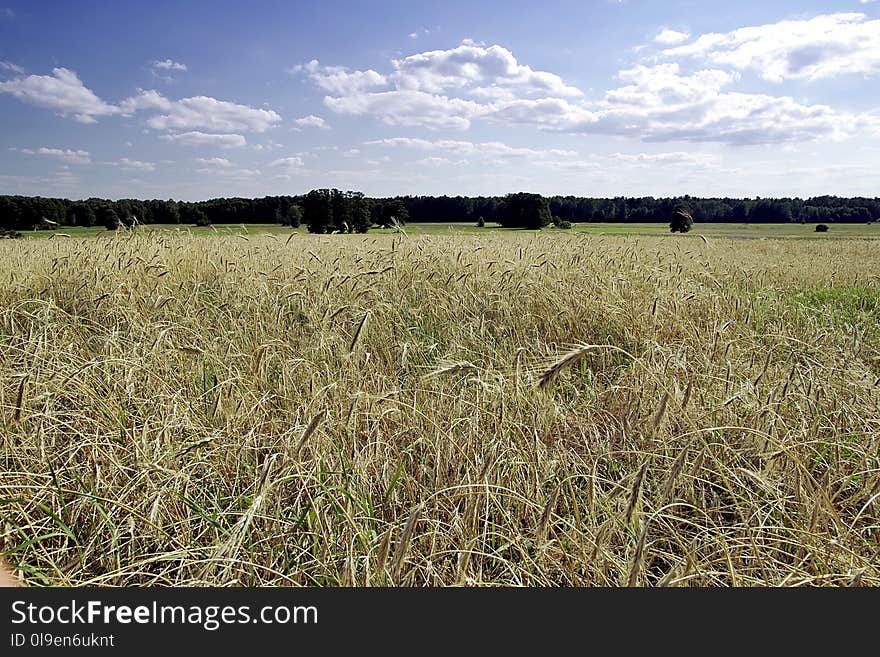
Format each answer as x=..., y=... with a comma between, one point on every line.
x=440, y=410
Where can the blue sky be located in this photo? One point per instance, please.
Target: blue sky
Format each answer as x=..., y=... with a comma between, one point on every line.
x=592, y=97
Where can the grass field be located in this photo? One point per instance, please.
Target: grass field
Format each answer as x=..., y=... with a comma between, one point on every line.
x=504, y=408
x=746, y=231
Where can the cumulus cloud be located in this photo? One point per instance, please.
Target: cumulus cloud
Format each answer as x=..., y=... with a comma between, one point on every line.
x=196, y=138
x=9, y=66
x=136, y=165
x=211, y=114
x=669, y=37
x=268, y=146
x=410, y=108
x=63, y=92
x=426, y=89
x=821, y=47
x=64, y=154
x=546, y=113
x=198, y=112
x=286, y=168
x=450, y=89
x=214, y=162
x=311, y=121
x=339, y=79
x=145, y=100
x=652, y=103
x=288, y=163
x=470, y=66
x=168, y=65
x=662, y=104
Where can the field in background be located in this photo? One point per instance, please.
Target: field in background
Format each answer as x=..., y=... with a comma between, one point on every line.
x=506, y=408
x=746, y=231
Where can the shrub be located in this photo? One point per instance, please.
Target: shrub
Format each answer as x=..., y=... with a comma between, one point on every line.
x=9, y=234
x=821, y=228
x=681, y=219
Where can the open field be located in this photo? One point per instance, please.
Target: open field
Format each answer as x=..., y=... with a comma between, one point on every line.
x=746, y=231
x=424, y=410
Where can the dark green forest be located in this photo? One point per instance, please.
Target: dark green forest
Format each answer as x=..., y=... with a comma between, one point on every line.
x=329, y=210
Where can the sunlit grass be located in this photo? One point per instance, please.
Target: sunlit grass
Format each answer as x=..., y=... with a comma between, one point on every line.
x=451, y=409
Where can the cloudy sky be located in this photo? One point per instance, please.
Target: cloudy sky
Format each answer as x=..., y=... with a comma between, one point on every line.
x=588, y=97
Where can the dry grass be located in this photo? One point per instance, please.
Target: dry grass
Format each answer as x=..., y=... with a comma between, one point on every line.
x=403, y=410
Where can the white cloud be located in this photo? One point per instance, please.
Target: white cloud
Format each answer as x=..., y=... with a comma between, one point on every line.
x=661, y=104
x=471, y=66
x=208, y=113
x=288, y=163
x=63, y=92
x=421, y=90
x=198, y=112
x=488, y=154
x=338, y=79
x=410, y=108
x=136, y=165
x=230, y=173
x=821, y=47
x=168, y=65
x=9, y=66
x=145, y=100
x=669, y=37
x=677, y=158
x=440, y=162
x=214, y=162
x=196, y=138
x=63, y=154
x=450, y=89
x=471, y=149
x=288, y=167
x=546, y=113
x=268, y=146
x=311, y=121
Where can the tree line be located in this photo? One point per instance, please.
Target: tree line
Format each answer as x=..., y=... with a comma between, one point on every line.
x=333, y=210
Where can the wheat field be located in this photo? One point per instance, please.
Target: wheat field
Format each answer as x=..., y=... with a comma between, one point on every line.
x=414, y=410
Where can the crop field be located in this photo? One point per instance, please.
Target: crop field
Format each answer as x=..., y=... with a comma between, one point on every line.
x=744, y=231
x=440, y=409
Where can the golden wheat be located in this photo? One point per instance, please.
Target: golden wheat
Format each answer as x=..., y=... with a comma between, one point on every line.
x=183, y=410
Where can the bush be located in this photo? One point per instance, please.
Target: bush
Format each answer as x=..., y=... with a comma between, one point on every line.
x=9, y=234
x=821, y=228
x=481, y=222
x=564, y=224
x=681, y=219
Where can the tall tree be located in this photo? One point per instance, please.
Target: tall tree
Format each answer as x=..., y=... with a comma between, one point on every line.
x=318, y=211
x=524, y=210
